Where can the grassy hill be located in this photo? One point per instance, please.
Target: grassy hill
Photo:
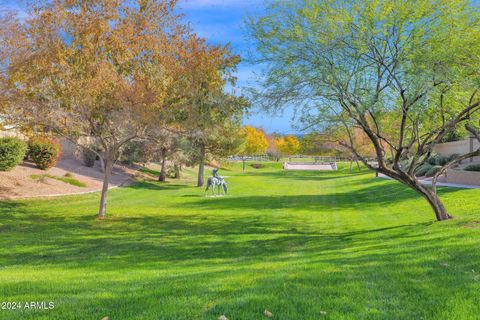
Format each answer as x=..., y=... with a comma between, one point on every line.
x=304, y=245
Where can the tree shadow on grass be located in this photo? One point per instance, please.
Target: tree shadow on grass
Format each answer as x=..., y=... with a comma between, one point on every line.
x=149, y=241
x=240, y=266
x=155, y=186
x=207, y=263
x=371, y=196
x=304, y=175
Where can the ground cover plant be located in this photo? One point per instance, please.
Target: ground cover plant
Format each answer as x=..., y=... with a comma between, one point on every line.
x=303, y=245
x=67, y=178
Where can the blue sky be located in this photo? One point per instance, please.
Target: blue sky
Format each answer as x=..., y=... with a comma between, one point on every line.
x=220, y=22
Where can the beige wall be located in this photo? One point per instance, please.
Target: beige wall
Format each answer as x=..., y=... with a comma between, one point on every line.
x=68, y=149
x=457, y=147
x=463, y=177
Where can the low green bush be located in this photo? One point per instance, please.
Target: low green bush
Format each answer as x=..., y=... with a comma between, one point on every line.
x=437, y=160
x=453, y=156
x=472, y=167
x=136, y=151
x=422, y=169
x=432, y=171
x=88, y=157
x=257, y=165
x=12, y=152
x=405, y=163
x=44, y=152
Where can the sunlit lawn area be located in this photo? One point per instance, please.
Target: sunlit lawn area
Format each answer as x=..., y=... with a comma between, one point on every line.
x=304, y=245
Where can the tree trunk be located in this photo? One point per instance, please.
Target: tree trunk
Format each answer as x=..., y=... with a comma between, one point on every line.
x=108, y=162
x=431, y=196
x=244, y=166
x=436, y=204
x=162, y=176
x=358, y=164
x=201, y=166
x=176, y=169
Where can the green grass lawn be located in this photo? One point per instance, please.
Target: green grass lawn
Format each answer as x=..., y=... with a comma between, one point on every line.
x=296, y=243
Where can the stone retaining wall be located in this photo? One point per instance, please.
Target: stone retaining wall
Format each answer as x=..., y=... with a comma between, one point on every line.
x=463, y=177
x=457, y=147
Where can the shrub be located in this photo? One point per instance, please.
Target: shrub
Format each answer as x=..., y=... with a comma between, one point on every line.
x=441, y=160
x=257, y=165
x=171, y=172
x=472, y=167
x=135, y=151
x=422, y=169
x=12, y=152
x=437, y=160
x=432, y=171
x=88, y=157
x=453, y=156
x=44, y=152
x=405, y=163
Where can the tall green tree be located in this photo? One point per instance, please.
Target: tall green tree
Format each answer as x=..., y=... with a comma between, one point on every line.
x=354, y=64
x=218, y=133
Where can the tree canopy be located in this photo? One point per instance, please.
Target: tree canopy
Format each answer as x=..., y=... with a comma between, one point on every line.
x=113, y=72
x=288, y=145
x=405, y=73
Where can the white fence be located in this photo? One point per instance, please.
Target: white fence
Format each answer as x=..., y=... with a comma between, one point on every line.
x=318, y=163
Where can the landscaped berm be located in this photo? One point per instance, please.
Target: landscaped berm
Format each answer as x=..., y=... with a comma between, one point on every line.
x=284, y=244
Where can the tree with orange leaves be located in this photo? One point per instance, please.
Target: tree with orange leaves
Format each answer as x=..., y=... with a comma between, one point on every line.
x=96, y=69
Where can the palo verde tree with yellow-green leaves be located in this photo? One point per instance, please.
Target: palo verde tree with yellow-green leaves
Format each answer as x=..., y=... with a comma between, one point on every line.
x=372, y=65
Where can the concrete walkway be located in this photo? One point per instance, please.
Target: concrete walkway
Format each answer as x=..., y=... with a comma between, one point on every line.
x=439, y=184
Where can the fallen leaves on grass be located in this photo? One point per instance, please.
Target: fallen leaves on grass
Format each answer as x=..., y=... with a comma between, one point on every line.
x=267, y=313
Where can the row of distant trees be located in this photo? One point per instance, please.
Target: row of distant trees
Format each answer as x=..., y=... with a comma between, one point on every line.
x=116, y=77
x=257, y=142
